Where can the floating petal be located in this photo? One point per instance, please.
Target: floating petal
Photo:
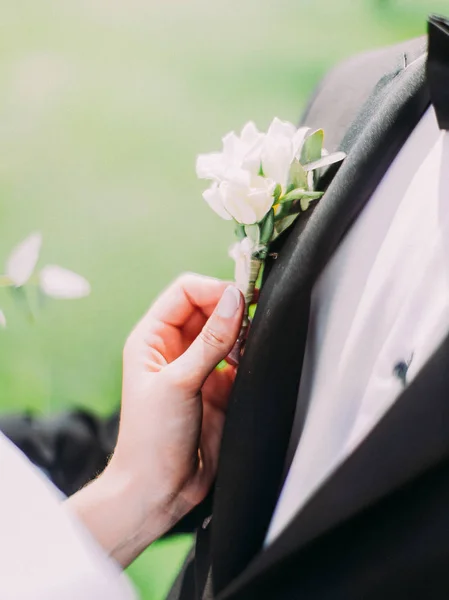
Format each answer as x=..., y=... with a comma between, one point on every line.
x=62, y=283
x=23, y=259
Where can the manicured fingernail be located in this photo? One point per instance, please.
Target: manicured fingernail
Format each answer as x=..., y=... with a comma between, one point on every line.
x=229, y=302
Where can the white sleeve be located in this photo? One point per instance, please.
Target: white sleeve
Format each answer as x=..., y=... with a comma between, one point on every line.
x=45, y=553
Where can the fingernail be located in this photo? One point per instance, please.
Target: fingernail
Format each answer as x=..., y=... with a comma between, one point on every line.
x=229, y=302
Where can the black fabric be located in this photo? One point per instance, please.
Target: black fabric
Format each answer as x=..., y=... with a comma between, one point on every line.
x=378, y=528
x=184, y=585
x=347, y=87
x=438, y=68
x=71, y=448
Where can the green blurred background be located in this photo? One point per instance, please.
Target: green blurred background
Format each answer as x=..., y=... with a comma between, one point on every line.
x=103, y=106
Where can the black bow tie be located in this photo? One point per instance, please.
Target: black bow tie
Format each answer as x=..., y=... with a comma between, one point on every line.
x=438, y=68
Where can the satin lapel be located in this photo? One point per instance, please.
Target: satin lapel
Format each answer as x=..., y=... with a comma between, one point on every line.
x=264, y=397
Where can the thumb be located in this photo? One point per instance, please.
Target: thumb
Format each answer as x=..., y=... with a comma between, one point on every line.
x=213, y=344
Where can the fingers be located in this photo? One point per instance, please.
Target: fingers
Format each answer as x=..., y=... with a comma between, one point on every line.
x=182, y=298
x=217, y=387
x=213, y=344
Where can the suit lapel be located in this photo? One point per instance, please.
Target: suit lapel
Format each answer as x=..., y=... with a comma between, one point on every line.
x=411, y=439
x=264, y=397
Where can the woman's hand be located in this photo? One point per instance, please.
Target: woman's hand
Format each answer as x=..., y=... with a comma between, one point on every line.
x=173, y=410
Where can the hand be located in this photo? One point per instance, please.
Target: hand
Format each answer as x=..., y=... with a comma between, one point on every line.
x=173, y=411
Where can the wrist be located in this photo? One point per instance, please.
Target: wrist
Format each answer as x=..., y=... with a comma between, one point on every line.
x=122, y=521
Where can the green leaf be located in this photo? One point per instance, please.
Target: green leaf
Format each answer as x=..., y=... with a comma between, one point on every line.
x=266, y=228
x=260, y=276
x=330, y=159
x=284, y=224
x=304, y=203
x=300, y=193
x=253, y=232
x=284, y=210
x=239, y=231
x=277, y=193
x=261, y=173
x=297, y=176
x=311, y=151
x=252, y=311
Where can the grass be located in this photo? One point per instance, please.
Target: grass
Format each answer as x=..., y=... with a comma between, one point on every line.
x=104, y=105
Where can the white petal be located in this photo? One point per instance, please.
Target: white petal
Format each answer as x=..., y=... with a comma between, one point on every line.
x=22, y=260
x=241, y=272
x=234, y=251
x=310, y=180
x=237, y=205
x=241, y=253
x=247, y=246
x=280, y=128
x=277, y=158
x=261, y=201
x=235, y=200
x=242, y=248
x=251, y=161
x=250, y=134
x=298, y=140
x=2, y=319
x=213, y=197
x=210, y=166
x=62, y=283
x=232, y=146
x=238, y=177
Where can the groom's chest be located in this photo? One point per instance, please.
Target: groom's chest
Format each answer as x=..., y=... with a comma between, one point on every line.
x=381, y=306
x=379, y=310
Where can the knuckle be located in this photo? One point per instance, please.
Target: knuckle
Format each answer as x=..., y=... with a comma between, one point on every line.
x=212, y=337
x=179, y=379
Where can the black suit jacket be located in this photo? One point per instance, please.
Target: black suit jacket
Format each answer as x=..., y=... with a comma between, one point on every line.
x=379, y=526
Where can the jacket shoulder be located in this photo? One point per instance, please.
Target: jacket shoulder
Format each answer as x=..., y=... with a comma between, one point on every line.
x=341, y=94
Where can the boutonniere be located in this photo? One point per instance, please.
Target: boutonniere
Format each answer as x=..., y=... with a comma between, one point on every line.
x=262, y=182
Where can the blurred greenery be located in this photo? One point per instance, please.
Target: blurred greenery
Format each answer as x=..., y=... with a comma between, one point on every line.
x=103, y=106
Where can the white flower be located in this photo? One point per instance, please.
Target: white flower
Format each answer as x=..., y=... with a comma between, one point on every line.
x=246, y=199
x=219, y=166
x=62, y=283
x=241, y=252
x=276, y=152
x=23, y=259
x=248, y=204
x=2, y=319
x=249, y=168
x=214, y=198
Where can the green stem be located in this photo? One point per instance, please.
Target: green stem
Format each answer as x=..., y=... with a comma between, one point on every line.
x=255, y=266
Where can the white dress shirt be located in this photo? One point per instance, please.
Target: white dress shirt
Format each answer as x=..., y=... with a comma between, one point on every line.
x=383, y=299
x=45, y=553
